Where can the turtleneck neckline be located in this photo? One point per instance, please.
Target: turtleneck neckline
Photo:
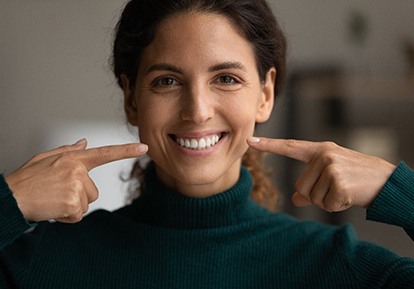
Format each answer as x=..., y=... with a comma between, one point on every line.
x=164, y=207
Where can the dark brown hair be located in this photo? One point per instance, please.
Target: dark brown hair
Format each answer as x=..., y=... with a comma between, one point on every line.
x=138, y=25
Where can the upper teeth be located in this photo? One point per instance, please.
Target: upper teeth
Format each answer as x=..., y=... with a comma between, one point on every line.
x=198, y=144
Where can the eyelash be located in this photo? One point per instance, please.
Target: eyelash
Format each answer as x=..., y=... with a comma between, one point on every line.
x=158, y=82
x=219, y=79
x=234, y=80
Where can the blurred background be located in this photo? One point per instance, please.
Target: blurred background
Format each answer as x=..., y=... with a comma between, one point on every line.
x=351, y=80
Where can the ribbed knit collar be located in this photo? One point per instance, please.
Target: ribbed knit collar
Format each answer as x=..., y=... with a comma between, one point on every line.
x=163, y=207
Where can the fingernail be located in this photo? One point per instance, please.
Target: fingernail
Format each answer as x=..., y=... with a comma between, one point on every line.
x=253, y=139
x=142, y=148
x=80, y=142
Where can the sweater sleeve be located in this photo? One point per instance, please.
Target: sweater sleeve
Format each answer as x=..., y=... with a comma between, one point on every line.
x=372, y=266
x=12, y=222
x=395, y=203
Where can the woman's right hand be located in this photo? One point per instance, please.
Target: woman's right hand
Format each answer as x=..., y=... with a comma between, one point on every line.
x=56, y=184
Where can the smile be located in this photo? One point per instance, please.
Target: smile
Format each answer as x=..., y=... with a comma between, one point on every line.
x=200, y=143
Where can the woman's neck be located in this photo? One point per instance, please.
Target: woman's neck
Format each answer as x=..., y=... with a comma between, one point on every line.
x=161, y=206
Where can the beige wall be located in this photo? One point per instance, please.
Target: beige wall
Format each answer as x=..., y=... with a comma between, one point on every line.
x=54, y=66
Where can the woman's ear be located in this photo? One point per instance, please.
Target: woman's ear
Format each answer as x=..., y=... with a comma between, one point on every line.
x=130, y=106
x=266, y=101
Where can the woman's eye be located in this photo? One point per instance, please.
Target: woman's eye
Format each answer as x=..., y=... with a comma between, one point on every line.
x=227, y=79
x=165, y=81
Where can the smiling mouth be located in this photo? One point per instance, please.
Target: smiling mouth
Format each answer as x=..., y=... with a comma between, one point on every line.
x=198, y=143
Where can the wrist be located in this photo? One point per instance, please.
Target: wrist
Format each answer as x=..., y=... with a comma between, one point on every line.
x=12, y=187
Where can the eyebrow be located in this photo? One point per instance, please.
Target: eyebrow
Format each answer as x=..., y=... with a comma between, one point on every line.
x=164, y=67
x=227, y=65
x=217, y=67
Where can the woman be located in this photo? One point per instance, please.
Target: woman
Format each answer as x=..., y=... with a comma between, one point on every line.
x=197, y=76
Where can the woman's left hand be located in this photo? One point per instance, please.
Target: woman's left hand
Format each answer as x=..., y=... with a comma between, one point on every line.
x=336, y=178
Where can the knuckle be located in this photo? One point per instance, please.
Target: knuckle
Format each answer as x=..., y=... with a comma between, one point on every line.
x=78, y=172
x=342, y=186
x=339, y=203
x=70, y=168
x=75, y=218
x=71, y=204
x=329, y=149
x=328, y=157
x=329, y=145
x=332, y=206
x=338, y=207
x=333, y=171
x=76, y=185
x=346, y=201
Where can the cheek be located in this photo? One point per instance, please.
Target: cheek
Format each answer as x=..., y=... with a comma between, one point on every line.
x=152, y=112
x=147, y=124
x=243, y=115
x=150, y=133
x=153, y=119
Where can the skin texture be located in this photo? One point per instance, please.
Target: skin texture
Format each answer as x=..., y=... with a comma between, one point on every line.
x=197, y=78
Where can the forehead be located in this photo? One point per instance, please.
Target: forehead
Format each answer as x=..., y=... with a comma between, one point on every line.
x=198, y=23
x=203, y=37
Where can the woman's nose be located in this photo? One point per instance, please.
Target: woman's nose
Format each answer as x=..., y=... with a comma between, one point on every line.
x=197, y=105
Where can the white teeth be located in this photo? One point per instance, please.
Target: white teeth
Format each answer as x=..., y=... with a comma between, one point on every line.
x=202, y=144
x=208, y=142
x=187, y=143
x=199, y=144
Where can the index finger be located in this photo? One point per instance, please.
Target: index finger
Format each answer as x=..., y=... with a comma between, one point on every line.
x=99, y=156
x=300, y=150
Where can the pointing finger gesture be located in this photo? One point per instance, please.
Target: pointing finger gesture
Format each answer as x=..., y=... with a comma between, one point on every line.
x=56, y=185
x=336, y=178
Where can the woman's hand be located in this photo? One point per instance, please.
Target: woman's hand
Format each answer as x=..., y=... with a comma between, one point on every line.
x=336, y=178
x=56, y=185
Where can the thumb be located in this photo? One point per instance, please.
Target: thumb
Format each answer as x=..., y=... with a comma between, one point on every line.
x=300, y=201
x=79, y=145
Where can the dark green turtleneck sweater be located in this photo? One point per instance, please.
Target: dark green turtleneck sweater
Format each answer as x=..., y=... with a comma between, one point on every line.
x=166, y=240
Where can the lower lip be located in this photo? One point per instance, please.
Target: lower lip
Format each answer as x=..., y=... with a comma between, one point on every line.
x=199, y=153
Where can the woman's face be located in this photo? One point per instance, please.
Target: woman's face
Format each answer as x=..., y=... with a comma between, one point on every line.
x=197, y=98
